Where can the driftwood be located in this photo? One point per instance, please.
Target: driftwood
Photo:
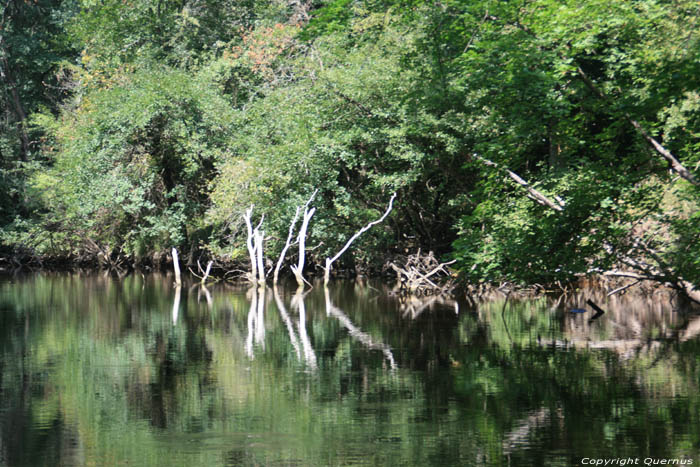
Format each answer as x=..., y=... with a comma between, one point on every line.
x=423, y=274
x=106, y=257
x=330, y=261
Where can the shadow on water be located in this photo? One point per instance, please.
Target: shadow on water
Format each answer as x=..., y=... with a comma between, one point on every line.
x=95, y=370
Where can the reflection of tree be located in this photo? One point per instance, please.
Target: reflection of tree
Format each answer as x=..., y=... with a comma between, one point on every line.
x=94, y=372
x=309, y=355
x=256, y=319
x=176, y=303
x=288, y=322
x=413, y=305
x=298, y=303
x=356, y=333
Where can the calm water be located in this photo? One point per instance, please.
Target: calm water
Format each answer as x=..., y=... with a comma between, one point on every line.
x=100, y=371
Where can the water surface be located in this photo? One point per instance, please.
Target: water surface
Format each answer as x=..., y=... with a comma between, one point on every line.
x=100, y=371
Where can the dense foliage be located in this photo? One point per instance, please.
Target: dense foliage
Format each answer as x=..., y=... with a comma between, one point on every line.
x=532, y=142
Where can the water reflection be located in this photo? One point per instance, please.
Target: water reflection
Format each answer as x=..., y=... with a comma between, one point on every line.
x=298, y=303
x=256, y=320
x=100, y=371
x=356, y=332
x=288, y=322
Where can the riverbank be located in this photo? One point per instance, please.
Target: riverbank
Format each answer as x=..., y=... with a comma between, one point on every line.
x=452, y=285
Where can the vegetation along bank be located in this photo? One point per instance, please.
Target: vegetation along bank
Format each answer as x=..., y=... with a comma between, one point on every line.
x=532, y=142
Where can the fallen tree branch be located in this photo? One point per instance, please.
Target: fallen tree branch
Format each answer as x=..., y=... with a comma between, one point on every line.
x=414, y=276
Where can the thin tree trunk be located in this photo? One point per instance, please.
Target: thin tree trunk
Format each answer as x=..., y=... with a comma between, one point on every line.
x=288, y=243
x=299, y=269
x=259, y=242
x=249, y=244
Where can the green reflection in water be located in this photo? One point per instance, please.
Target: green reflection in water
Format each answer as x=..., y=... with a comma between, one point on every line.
x=96, y=371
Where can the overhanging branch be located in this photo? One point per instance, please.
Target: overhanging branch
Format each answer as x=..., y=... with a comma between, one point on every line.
x=532, y=193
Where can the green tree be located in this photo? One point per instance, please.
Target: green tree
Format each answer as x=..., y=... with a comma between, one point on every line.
x=134, y=160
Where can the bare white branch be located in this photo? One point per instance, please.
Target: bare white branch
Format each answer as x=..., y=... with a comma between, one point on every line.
x=330, y=261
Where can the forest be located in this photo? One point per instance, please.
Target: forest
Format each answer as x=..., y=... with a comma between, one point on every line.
x=532, y=141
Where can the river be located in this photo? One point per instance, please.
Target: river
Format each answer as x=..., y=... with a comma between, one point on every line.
x=96, y=370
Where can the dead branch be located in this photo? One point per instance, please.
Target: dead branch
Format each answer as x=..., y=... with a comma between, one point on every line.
x=287, y=244
x=624, y=287
x=414, y=276
x=255, y=244
x=249, y=243
x=176, y=266
x=298, y=270
x=330, y=261
x=532, y=193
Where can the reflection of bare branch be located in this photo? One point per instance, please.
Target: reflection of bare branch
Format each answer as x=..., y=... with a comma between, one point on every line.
x=519, y=436
x=176, y=303
x=256, y=320
x=252, y=317
x=309, y=354
x=260, y=330
x=207, y=295
x=288, y=322
x=412, y=305
x=626, y=348
x=691, y=330
x=356, y=333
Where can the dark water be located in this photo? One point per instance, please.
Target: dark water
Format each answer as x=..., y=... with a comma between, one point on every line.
x=97, y=371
